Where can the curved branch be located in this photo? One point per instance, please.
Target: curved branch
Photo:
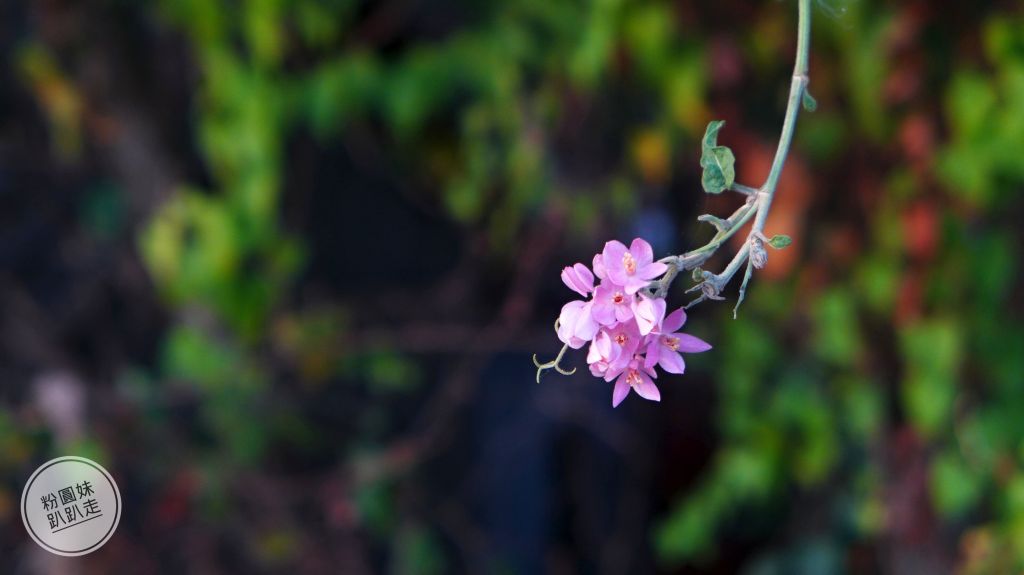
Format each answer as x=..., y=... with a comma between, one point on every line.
x=759, y=200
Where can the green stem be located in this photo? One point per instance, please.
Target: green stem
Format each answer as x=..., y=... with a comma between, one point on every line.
x=745, y=190
x=760, y=199
x=796, y=94
x=694, y=258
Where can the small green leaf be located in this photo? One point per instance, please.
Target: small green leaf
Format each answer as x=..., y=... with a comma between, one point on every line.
x=780, y=241
x=697, y=275
x=810, y=104
x=718, y=161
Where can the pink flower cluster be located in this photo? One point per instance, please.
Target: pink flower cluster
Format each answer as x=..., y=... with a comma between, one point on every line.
x=629, y=333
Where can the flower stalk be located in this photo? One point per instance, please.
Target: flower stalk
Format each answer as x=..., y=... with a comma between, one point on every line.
x=759, y=200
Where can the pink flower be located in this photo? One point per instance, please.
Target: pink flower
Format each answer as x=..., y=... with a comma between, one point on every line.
x=625, y=340
x=628, y=331
x=631, y=268
x=612, y=304
x=579, y=279
x=575, y=324
x=666, y=348
x=639, y=378
x=649, y=313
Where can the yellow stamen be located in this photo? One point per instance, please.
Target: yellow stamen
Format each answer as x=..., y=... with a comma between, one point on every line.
x=629, y=263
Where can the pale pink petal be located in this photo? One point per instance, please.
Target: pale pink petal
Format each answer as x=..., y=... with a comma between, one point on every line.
x=602, y=349
x=650, y=371
x=612, y=254
x=603, y=312
x=652, y=355
x=671, y=361
x=579, y=279
x=599, y=270
x=646, y=388
x=604, y=345
x=567, y=322
x=621, y=390
x=587, y=278
x=613, y=265
x=586, y=326
x=633, y=284
x=624, y=311
x=649, y=314
x=674, y=321
x=642, y=252
x=616, y=367
x=651, y=271
x=614, y=370
x=691, y=344
x=575, y=325
x=570, y=281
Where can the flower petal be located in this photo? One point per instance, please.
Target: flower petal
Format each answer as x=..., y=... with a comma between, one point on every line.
x=603, y=312
x=642, y=252
x=599, y=270
x=567, y=322
x=621, y=390
x=614, y=370
x=585, y=275
x=633, y=284
x=653, y=353
x=570, y=279
x=586, y=326
x=647, y=389
x=651, y=270
x=623, y=312
x=674, y=321
x=613, y=265
x=602, y=349
x=579, y=279
x=649, y=314
x=671, y=361
x=612, y=254
x=691, y=344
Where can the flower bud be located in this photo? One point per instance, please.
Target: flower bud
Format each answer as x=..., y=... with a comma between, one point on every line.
x=758, y=255
x=710, y=290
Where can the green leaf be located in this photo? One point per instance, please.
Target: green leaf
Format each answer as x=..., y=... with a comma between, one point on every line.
x=718, y=161
x=780, y=241
x=810, y=104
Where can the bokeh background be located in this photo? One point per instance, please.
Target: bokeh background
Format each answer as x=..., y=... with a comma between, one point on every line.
x=280, y=265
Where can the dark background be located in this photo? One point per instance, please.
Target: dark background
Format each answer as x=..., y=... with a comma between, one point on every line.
x=281, y=265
